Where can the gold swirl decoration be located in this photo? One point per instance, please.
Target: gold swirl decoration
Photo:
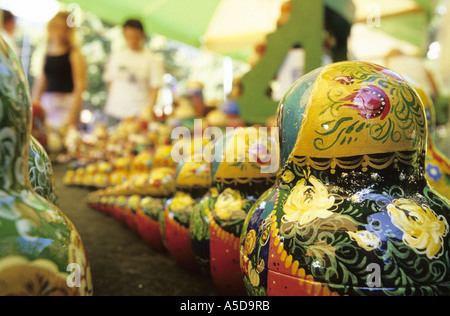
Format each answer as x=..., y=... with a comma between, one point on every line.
x=378, y=162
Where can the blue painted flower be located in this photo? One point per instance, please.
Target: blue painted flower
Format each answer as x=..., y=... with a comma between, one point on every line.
x=434, y=172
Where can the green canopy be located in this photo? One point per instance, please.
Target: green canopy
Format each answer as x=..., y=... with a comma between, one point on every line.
x=180, y=20
x=188, y=21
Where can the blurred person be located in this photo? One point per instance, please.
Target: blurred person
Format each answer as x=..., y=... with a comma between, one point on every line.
x=63, y=80
x=8, y=30
x=134, y=76
x=195, y=94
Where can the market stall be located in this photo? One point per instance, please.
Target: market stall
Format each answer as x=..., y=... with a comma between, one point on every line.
x=289, y=169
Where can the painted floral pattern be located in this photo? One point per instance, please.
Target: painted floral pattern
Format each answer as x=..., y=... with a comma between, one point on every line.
x=308, y=202
x=351, y=195
x=422, y=229
x=228, y=204
x=37, y=240
x=41, y=172
x=20, y=277
x=181, y=207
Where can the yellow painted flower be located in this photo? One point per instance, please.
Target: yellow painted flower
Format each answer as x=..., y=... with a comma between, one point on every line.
x=20, y=277
x=250, y=242
x=228, y=202
x=422, y=229
x=288, y=176
x=182, y=202
x=307, y=203
x=366, y=240
x=134, y=202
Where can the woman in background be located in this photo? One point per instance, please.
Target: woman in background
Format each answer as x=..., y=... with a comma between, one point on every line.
x=63, y=80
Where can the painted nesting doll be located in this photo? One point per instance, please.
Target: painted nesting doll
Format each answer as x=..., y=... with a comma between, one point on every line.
x=79, y=176
x=437, y=165
x=130, y=211
x=41, y=172
x=102, y=177
x=242, y=170
x=89, y=175
x=351, y=212
x=39, y=245
x=110, y=203
x=69, y=177
x=148, y=221
x=93, y=200
x=150, y=213
x=103, y=202
x=119, y=208
x=142, y=164
x=121, y=170
x=163, y=157
x=193, y=180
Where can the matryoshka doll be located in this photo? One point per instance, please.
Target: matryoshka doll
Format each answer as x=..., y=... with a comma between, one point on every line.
x=69, y=178
x=142, y=164
x=437, y=165
x=121, y=170
x=39, y=244
x=102, y=177
x=193, y=179
x=163, y=157
x=150, y=213
x=110, y=203
x=79, y=176
x=130, y=211
x=93, y=200
x=148, y=221
x=103, y=202
x=351, y=212
x=89, y=175
x=243, y=169
x=119, y=208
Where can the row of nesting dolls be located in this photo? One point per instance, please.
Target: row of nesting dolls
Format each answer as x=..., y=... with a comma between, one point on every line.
x=106, y=173
x=41, y=252
x=196, y=209
x=322, y=224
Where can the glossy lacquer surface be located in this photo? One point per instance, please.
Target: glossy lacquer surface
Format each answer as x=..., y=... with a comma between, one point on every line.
x=351, y=212
x=41, y=172
x=37, y=242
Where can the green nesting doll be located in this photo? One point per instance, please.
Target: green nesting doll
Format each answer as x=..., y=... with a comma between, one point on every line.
x=241, y=171
x=351, y=212
x=41, y=253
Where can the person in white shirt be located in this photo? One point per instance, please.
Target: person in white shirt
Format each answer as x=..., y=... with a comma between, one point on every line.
x=133, y=75
x=8, y=29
